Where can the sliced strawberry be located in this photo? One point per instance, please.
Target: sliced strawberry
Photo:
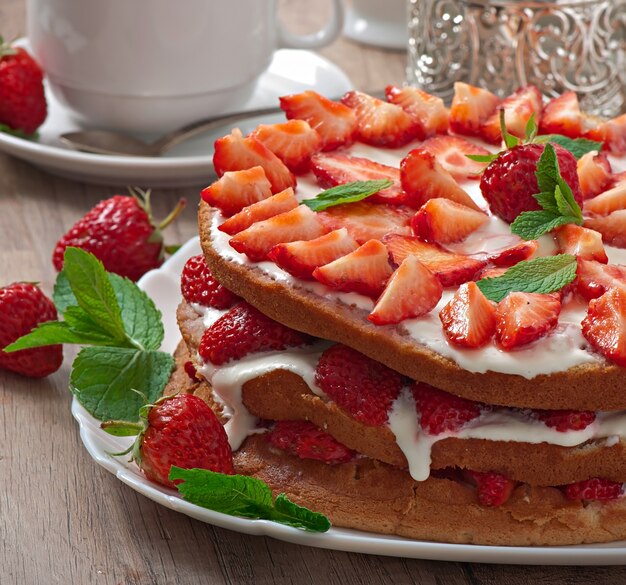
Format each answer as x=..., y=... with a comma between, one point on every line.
x=367, y=221
x=491, y=272
x=237, y=189
x=581, y=242
x=337, y=169
x=604, y=326
x=469, y=318
x=412, y=291
x=612, y=133
x=293, y=142
x=518, y=108
x=334, y=122
x=594, y=489
x=451, y=151
x=301, y=258
x=561, y=115
x=511, y=256
x=522, y=318
x=443, y=221
x=451, y=269
x=594, y=173
x=441, y=412
x=612, y=227
x=494, y=489
x=298, y=224
x=428, y=110
x=380, y=123
x=365, y=271
x=235, y=153
x=471, y=106
x=423, y=178
x=595, y=278
x=565, y=420
x=274, y=205
x=612, y=200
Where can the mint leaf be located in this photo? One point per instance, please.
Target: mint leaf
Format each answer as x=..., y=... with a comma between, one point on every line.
x=347, y=193
x=62, y=295
x=547, y=202
x=541, y=275
x=104, y=379
x=532, y=224
x=52, y=333
x=239, y=495
x=547, y=171
x=577, y=146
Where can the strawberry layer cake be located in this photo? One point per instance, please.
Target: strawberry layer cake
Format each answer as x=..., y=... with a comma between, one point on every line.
x=414, y=341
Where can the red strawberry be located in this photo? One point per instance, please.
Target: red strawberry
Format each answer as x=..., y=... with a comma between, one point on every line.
x=450, y=152
x=494, y=489
x=367, y=221
x=443, y=221
x=264, y=209
x=604, y=326
x=298, y=224
x=191, y=371
x=363, y=387
x=491, y=272
x=427, y=110
x=514, y=254
x=237, y=189
x=244, y=330
x=594, y=489
x=561, y=115
x=451, y=269
x=441, y=412
x=612, y=133
x=595, y=278
x=412, y=291
x=198, y=285
x=606, y=203
x=337, y=169
x=471, y=106
x=334, y=122
x=522, y=318
x=594, y=173
x=509, y=182
x=364, y=271
x=518, y=108
x=469, y=318
x=120, y=233
x=22, y=99
x=612, y=227
x=423, y=178
x=566, y=420
x=293, y=142
x=380, y=123
x=22, y=307
x=182, y=431
x=301, y=258
x=581, y=242
x=236, y=153
x=307, y=441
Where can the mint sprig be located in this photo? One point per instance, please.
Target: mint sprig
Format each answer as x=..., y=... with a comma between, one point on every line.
x=577, y=146
x=541, y=275
x=555, y=198
x=346, y=193
x=240, y=495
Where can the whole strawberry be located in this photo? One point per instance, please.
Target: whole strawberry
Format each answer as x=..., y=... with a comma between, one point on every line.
x=119, y=231
x=22, y=99
x=22, y=307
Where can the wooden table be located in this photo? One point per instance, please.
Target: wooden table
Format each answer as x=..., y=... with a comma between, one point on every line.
x=66, y=521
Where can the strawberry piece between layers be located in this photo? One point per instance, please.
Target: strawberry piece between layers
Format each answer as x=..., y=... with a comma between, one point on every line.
x=451, y=269
x=595, y=488
x=522, y=318
x=594, y=173
x=364, y=271
x=582, y=242
x=301, y=258
x=604, y=326
x=359, y=385
x=494, y=489
x=469, y=318
x=612, y=227
x=566, y=420
x=451, y=151
x=334, y=122
x=23, y=306
x=562, y=115
x=594, y=278
x=198, y=285
x=427, y=110
x=298, y=224
x=244, y=330
x=235, y=190
x=471, y=106
x=183, y=431
x=412, y=291
x=233, y=152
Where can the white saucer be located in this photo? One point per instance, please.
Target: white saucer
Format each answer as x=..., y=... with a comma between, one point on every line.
x=291, y=71
x=388, y=34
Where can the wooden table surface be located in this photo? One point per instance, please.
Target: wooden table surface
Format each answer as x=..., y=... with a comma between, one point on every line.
x=63, y=519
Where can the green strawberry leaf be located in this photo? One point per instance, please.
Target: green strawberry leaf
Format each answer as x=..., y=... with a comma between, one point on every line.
x=483, y=158
x=346, y=193
x=19, y=133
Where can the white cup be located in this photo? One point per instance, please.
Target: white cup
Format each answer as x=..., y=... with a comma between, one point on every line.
x=156, y=65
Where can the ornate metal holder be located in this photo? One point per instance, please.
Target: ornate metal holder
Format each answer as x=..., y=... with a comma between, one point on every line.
x=577, y=45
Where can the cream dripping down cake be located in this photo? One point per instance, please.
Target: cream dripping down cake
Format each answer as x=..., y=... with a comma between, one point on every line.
x=412, y=341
